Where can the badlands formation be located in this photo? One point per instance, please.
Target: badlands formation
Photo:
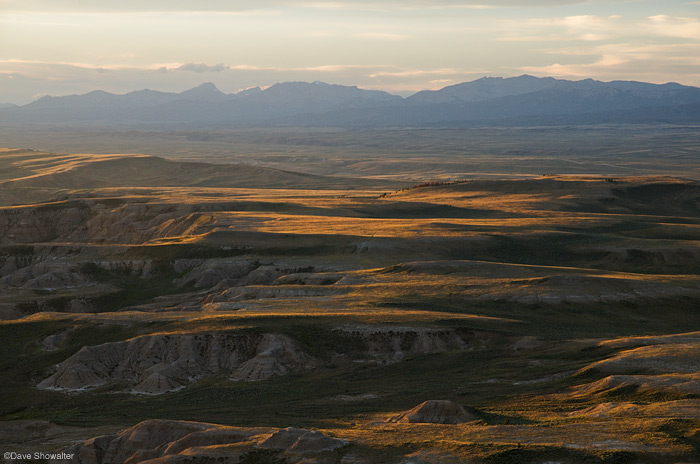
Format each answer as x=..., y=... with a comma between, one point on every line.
x=181, y=312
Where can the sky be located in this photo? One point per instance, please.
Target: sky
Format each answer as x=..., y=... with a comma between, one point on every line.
x=62, y=47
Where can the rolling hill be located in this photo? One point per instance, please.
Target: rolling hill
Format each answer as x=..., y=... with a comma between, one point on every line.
x=35, y=176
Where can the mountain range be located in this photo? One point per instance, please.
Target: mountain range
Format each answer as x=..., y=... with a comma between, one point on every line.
x=523, y=100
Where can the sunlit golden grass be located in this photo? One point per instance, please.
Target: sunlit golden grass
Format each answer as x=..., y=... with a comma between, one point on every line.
x=23, y=165
x=225, y=319
x=626, y=342
x=638, y=431
x=633, y=435
x=388, y=227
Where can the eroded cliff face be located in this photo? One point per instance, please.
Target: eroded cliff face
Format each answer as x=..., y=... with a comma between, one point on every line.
x=39, y=274
x=160, y=363
x=96, y=221
x=41, y=224
x=393, y=344
x=156, y=364
x=170, y=441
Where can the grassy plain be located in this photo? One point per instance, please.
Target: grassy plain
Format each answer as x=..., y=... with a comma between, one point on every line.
x=413, y=155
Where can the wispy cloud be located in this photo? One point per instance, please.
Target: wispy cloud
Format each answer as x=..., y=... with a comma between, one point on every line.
x=201, y=67
x=599, y=28
x=685, y=28
x=334, y=68
x=652, y=63
x=415, y=72
x=657, y=48
x=17, y=65
x=582, y=27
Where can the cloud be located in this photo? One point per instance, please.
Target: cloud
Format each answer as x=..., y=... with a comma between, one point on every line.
x=588, y=28
x=656, y=49
x=652, y=63
x=201, y=67
x=334, y=68
x=684, y=28
x=416, y=72
x=15, y=65
x=599, y=28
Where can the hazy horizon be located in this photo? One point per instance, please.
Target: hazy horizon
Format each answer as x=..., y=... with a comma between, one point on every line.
x=402, y=94
x=399, y=47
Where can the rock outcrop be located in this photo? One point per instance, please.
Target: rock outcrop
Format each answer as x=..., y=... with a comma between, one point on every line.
x=275, y=355
x=44, y=275
x=41, y=223
x=301, y=441
x=387, y=345
x=436, y=412
x=211, y=272
x=169, y=441
x=160, y=363
x=156, y=364
x=267, y=292
x=92, y=221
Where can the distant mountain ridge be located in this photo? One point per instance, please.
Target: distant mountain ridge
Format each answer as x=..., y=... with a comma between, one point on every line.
x=518, y=100
x=489, y=88
x=483, y=89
